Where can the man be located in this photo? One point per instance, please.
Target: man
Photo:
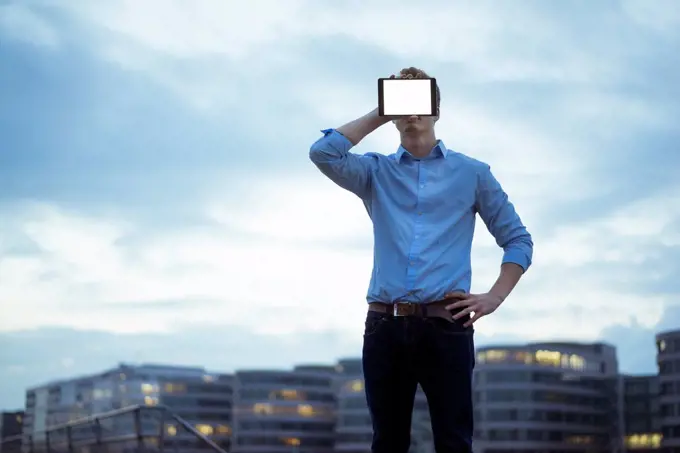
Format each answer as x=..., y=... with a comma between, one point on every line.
x=423, y=201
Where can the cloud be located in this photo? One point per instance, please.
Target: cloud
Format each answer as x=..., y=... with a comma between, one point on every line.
x=154, y=177
x=19, y=22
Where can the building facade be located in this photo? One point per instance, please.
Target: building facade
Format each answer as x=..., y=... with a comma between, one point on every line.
x=202, y=399
x=354, y=431
x=547, y=398
x=11, y=427
x=284, y=411
x=641, y=421
x=668, y=359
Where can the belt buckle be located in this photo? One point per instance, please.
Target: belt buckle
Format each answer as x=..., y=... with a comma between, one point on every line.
x=411, y=309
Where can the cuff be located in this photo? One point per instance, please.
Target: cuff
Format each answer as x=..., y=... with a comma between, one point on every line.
x=517, y=257
x=337, y=140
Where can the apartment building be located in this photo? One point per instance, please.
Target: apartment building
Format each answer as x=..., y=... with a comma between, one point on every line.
x=284, y=410
x=640, y=415
x=668, y=359
x=203, y=399
x=11, y=426
x=547, y=398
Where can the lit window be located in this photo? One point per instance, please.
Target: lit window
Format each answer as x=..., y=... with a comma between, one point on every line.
x=524, y=357
x=171, y=430
x=263, y=408
x=647, y=440
x=291, y=441
x=576, y=362
x=549, y=358
x=494, y=355
x=99, y=394
x=174, y=388
x=148, y=388
x=150, y=401
x=223, y=429
x=305, y=410
x=122, y=376
x=580, y=440
x=286, y=394
x=206, y=430
x=662, y=345
x=208, y=378
x=356, y=385
x=19, y=419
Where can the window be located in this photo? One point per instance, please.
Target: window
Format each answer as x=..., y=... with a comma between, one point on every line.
x=291, y=441
x=492, y=355
x=665, y=367
x=646, y=440
x=503, y=434
x=667, y=410
x=661, y=345
x=356, y=385
x=305, y=410
x=501, y=415
x=263, y=408
x=170, y=387
x=148, y=388
x=206, y=430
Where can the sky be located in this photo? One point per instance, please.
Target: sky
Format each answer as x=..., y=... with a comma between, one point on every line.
x=157, y=202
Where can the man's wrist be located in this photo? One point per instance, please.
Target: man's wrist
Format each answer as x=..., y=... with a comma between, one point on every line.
x=497, y=295
x=379, y=120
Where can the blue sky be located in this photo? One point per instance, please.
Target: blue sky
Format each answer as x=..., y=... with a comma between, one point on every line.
x=157, y=202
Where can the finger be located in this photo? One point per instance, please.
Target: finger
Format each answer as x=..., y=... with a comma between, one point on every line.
x=478, y=314
x=460, y=304
x=393, y=76
x=465, y=312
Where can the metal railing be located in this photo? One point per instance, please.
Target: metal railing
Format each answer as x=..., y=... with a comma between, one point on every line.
x=128, y=430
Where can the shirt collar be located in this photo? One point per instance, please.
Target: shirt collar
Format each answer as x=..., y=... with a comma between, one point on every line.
x=438, y=150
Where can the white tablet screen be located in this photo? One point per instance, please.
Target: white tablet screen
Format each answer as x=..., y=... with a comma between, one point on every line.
x=407, y=97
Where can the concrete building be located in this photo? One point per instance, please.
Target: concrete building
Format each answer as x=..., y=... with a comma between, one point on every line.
x=11, y=426
x=547, y=397
x=668, y=359
x=354, y=431
x=284, y=411
x=201, y=398
x=642, y=425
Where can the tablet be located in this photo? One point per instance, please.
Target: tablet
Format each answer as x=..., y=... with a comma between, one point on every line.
x=407, y=97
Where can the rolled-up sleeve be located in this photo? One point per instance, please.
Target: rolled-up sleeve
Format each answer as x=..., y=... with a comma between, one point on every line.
x=353, y=172
x=503, y=222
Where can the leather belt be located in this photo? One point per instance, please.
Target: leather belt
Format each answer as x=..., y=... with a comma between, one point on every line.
x=419, y=310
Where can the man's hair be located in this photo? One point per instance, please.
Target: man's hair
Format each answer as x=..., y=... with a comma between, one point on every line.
x=420, y=74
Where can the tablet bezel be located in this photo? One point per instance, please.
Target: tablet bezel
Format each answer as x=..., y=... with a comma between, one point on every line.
x=381, y=96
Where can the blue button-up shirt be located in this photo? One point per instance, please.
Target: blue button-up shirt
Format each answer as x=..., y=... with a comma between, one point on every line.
x=423, y=213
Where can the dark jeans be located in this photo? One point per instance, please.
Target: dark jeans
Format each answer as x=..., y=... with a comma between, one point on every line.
x=401, y=352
